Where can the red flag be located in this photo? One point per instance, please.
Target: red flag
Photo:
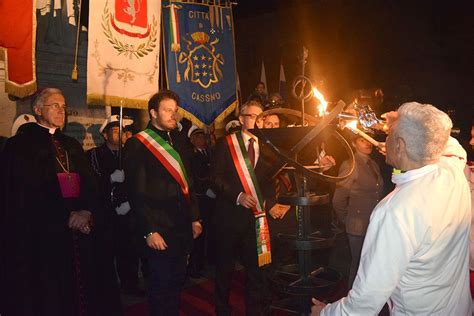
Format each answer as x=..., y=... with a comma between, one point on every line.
x=17, y=46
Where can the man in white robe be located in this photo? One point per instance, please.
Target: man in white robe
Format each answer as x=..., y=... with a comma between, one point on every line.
x=416, y=251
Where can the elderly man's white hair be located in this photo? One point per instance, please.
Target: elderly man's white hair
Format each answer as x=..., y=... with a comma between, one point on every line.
x=425, y=130
x=44, y=94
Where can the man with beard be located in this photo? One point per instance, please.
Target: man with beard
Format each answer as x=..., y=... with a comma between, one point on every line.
x=161, y=195
x=47, y=199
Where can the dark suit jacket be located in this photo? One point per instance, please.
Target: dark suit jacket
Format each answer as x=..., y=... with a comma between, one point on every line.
x=226, y=183
x=201, y=171
x=156, y=198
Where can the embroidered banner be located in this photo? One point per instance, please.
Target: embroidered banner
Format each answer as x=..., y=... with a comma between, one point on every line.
x=124, y=42
x=17, y=46
x=200, y=59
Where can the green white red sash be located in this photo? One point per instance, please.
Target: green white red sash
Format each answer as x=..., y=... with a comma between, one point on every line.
x=169, y=158
x=249, y=182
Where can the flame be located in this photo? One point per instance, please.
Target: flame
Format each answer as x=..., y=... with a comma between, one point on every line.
x=352, y=125
x=323, y=104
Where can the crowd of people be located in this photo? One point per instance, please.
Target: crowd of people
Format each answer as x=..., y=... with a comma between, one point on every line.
x=77, y=228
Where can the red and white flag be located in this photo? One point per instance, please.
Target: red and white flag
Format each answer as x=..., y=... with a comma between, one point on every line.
x=124, y=44
x=17, y=46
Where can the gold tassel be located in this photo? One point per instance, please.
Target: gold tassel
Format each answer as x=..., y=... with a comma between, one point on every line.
x=74, y=73
x=74, y=69
x=178, y=76
x=175, y=47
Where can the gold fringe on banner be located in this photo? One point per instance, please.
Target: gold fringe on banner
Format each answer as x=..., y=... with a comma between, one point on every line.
x=18, y=90
x=264, y=258
x=219, y=122
x=98, y=99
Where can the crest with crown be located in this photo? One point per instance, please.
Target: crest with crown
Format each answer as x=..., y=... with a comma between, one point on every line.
x=201, y=59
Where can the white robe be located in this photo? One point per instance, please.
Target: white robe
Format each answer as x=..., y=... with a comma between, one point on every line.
x=416, y=251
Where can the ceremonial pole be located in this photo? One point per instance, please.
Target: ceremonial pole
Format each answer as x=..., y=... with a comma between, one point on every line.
x=120, y=135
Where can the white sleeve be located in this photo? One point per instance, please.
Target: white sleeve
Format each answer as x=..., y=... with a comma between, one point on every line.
x=386, y=253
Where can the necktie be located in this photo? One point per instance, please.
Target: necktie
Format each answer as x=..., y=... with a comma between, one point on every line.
x=251, y=151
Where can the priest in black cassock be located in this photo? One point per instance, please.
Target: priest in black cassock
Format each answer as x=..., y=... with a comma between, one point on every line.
x=47, y=206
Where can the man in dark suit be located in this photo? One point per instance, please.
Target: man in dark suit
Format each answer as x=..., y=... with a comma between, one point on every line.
x=162, y=198
x=234, y=213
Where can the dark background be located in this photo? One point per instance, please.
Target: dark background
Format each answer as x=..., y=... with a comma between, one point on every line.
x=413, y=50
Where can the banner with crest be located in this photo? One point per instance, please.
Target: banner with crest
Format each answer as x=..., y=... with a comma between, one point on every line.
x=200, y=58
x=123, y=52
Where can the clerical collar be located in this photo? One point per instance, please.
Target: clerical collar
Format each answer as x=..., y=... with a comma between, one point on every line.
x=51, y=130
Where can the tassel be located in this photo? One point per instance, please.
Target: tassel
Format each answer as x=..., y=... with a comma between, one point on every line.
x=74, y=73
x=178, y=76
x=74, y=70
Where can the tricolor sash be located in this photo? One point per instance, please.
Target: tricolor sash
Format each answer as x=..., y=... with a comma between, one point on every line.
x=168, y=157
x=249, y=182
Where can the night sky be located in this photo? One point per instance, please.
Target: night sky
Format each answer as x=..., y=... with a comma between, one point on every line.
x=413, y=50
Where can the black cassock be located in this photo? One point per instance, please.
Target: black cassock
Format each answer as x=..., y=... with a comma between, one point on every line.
x=46, y=268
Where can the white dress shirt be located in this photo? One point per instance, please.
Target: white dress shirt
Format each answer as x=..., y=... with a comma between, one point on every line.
x=416, y=251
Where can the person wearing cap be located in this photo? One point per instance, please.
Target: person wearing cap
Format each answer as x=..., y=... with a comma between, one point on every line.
x=48, y=199
x=22, y=122
x=161, y=194
x=203, y=247
x=116, y=224
x=356, y=196
x=232, y=126
x=239, y=177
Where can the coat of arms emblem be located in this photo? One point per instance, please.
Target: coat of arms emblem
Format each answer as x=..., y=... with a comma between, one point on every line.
x=128, y=28
x=201, y=60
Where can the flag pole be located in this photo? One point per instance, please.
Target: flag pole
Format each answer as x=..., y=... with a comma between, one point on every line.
x=74, y=69
x=120, y=135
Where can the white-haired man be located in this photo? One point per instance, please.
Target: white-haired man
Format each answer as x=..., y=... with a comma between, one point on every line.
x=416, y=251
x=48, y=199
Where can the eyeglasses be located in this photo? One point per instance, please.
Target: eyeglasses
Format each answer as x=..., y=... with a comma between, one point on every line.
x=57, y=106
x=252, y=116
